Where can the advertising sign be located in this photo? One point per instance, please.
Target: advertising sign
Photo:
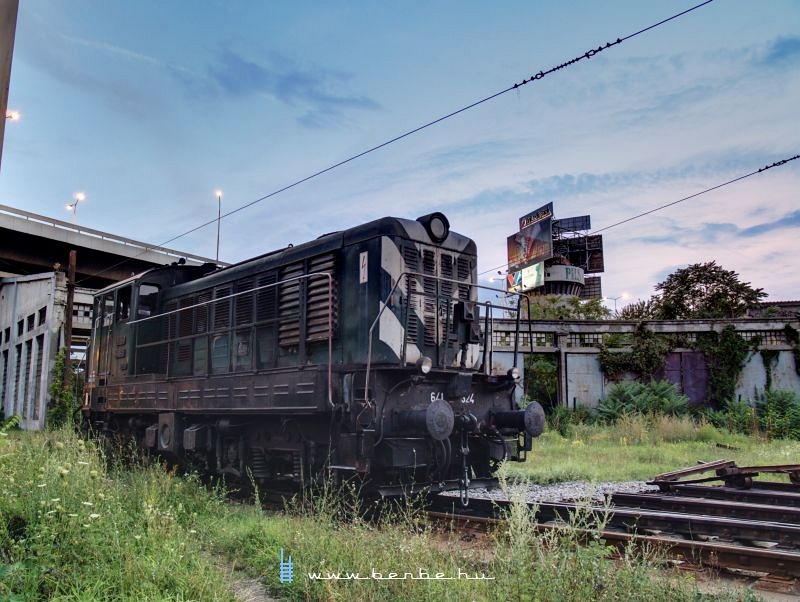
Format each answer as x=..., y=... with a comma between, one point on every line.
x=514, y=282
x=527, y=278
x=534, y=241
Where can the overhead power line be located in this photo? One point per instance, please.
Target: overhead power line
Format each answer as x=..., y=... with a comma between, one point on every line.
x=691, y=196
x=681, y=200
x=535, y=77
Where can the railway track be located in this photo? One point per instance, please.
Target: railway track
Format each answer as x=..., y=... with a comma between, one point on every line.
x=752, y=529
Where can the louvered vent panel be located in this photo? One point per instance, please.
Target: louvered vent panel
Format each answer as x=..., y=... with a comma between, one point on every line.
x=464, y=275
x=266, y=298
x=186, y=316
x=429, y=300
x=446, y=263
x=289, y=306
x=184, y=351
x=222, y=318
x=318, y=300
x=243, y=303
x=172, y=329
x=411, y=257
x=201, y=313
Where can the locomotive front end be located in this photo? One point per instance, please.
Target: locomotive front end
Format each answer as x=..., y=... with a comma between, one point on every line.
x=444, y=414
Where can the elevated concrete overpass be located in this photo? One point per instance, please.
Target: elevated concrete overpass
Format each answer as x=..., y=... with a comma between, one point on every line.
x=34, y=306
x=32, y=243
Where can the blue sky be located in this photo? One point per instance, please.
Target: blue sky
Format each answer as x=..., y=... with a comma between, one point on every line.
x=150, y=106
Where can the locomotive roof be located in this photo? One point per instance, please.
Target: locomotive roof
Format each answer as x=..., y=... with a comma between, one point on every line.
x=385, y=226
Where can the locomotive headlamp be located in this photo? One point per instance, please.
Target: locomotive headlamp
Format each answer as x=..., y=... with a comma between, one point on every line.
x=514, y=373
x=424, y=364
x=436, y=224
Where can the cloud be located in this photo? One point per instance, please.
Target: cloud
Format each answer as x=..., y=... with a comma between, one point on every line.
x=782, y=52
x=790, y=220
x=713, y=232
x=236, y=76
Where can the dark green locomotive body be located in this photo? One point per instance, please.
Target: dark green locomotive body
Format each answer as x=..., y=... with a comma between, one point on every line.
x=358, y=351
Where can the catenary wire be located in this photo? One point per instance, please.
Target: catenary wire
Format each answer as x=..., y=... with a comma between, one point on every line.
x=586, y=55
x=681, y=200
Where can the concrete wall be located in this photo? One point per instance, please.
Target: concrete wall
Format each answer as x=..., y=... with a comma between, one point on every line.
x=575, y=345
x=31, y=319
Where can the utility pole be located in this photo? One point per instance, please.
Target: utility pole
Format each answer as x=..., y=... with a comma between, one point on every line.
x=8, y=28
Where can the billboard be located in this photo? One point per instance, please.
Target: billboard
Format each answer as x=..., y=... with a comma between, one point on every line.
x=592, y=288
x=534, y=241
x=514, y=282
x=527, y=278
x=582, y=251
x=572, y=224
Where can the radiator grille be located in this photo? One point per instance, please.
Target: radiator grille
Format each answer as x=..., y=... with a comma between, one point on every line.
x=289, y=306
x=317, y=301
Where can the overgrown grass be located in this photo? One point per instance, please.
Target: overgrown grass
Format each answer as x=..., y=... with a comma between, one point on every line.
x=516, y=563
x=73, y=529
x=642, y=446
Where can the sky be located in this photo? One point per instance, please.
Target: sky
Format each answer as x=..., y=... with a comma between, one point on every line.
x=148, y=107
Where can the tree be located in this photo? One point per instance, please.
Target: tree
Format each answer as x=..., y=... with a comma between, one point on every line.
x=559, y=307
x=705, y=290
x=640, y=310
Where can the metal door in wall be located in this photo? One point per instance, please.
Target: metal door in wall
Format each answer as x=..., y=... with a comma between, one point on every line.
x=585, y=380
x=687, y=369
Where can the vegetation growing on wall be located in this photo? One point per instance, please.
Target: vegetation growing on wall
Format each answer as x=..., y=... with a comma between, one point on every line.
x=794, y=340
x=725, y=354
x=645, y=357
x=769, y=357
x=64, y=403
x=541, y=379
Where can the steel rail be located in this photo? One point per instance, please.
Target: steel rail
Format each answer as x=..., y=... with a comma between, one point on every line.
x=708, y=507
x=734, y=494
x=714, y=554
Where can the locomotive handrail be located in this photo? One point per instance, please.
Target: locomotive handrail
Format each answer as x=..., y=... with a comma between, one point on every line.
x=385, y=304
x=327, y=275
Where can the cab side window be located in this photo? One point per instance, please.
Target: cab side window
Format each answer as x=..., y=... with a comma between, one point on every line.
x=146, y=306
x=123, y=311
x=108, y=309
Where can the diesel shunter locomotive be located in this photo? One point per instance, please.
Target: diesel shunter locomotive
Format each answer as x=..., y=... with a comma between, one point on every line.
x=358, y=353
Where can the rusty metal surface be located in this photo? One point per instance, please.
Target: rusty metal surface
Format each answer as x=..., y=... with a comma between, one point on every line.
x=693, y=470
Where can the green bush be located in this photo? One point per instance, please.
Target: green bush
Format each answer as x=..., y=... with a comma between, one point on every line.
x=656, y=397
x=779, y=414
x=736, y=416
x=562, y=419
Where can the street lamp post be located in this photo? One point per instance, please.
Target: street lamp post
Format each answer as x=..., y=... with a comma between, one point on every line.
x=219, y=217
x=614, y=299
x=78, y=196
